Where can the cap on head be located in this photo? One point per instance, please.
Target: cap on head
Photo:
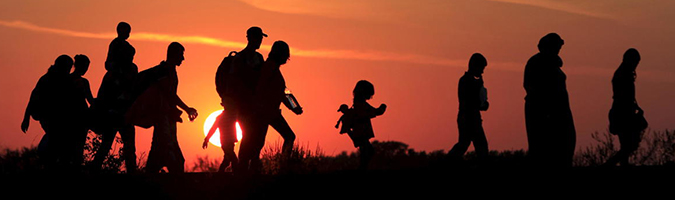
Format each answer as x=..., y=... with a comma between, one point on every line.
x=255, y=31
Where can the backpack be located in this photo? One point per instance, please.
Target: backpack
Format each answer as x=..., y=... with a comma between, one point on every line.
x=225, y=69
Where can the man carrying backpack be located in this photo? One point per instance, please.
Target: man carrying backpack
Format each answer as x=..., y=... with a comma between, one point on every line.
x=235, y=82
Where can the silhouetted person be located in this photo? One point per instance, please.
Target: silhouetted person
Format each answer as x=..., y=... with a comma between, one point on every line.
x=161, y=94
x=247, y=66
x=81, y=114
x=227, y=141
x=356, y=121
x=51, y=103
x=226, y=121
x=626, y=118
x=270, y=93
x=550, y=128
x=114, y=98
x=469, y=120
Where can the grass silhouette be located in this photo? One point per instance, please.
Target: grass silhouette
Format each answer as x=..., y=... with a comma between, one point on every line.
x=656, y=149
x=396, y=171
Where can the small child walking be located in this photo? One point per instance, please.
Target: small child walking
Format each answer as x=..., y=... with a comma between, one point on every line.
x=356, y=121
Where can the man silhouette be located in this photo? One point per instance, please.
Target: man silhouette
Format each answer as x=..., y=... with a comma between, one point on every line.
x=247, y=65
x=114, y=98
x=162, y=93
x=469, y=120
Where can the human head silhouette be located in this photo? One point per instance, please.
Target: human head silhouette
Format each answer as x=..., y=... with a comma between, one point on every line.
x=631, y=58
x=477, y=64
x=174, y=54
x=550, y=44
x=343, y=108
x=81, y=64
x=255, y=35
x=363, y=90
x=280, y=52
x=62, y=65
x=123, y=30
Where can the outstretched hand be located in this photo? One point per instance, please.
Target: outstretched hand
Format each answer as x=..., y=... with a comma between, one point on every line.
x=192, y=113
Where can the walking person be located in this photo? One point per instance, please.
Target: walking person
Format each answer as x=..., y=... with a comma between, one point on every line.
x=247, y=65
x=270, y=93
x=82, y=115
x=52, y=104
x=114, y=98
x=472, y=99
x=157, y=106
x=626, y=118
x=550, y=128
x=356, y=121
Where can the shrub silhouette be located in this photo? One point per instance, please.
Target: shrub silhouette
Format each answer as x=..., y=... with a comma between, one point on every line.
x=24, y=160
x=657, y=148
x=204, y=164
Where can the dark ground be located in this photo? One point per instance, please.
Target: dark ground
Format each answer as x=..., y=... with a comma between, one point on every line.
x=446, y=183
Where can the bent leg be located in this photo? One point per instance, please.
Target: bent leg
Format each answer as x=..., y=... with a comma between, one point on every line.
x=280, y=125
x=107, y=139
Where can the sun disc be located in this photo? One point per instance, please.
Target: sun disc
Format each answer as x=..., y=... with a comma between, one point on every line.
x=215, y=139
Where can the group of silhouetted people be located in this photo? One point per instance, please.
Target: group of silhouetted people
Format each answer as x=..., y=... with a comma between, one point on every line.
x=252, y=89
x=59, y=102
x=550, y=128
x=63, y=103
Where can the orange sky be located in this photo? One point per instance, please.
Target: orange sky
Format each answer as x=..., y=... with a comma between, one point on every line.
x=412, y=51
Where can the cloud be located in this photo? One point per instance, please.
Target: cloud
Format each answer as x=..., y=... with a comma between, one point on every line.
x=565, y=6
x=32, y=27
x=333, y=54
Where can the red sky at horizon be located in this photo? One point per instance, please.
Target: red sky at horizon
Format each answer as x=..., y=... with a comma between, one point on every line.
x=412, y=51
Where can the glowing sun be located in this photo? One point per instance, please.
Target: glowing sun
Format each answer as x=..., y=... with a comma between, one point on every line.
x=215, y=139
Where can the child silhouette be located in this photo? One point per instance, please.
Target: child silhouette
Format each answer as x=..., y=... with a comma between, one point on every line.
x=356, y=121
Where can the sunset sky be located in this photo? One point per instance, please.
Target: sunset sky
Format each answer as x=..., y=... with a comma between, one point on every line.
x=414, y=52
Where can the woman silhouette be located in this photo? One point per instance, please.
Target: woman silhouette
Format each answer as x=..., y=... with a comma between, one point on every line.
x=550, y=128
x=269, y=94
x=51, y=103
x=626, y=118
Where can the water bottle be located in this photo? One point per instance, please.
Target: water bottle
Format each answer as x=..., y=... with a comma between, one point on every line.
x=290, y=99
